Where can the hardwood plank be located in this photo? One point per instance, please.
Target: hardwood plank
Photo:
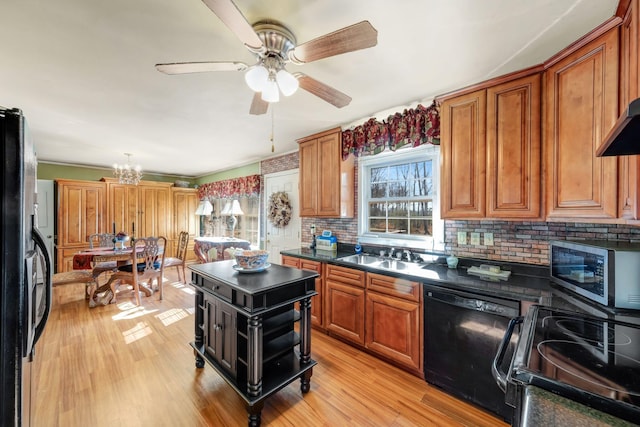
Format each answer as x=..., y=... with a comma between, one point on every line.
x=133, y=366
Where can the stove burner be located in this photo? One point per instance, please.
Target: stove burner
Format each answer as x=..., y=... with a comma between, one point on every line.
x=589, y=330
x=611, y=376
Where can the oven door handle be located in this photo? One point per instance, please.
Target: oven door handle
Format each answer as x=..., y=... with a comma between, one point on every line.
x=498, y=375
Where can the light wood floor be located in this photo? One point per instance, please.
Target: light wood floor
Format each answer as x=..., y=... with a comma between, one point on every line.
x=123, y=365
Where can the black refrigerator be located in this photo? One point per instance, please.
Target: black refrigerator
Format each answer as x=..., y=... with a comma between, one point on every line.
x=25, y=290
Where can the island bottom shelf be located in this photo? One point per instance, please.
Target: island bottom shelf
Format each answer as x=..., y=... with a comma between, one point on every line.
x=277, y=374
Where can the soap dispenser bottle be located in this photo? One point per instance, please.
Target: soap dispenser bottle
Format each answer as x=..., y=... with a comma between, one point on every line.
x=358, y=248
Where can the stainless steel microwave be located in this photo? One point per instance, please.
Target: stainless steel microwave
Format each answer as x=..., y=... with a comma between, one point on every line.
x=607, y=272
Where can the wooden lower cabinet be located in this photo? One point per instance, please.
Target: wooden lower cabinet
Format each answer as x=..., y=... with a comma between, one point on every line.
x=394, y=320
x=345, y=303
x=220, y=334
x=379, y=313
x=317, y=317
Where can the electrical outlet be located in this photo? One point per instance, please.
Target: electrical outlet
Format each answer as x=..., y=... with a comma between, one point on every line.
x=475, y=239
x=488, y=239
x=462, y=237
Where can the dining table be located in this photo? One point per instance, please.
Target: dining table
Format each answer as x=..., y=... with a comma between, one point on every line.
x=86, y=259
x=202, y=246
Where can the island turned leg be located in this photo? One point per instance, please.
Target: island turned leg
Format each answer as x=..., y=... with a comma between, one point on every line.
x=254, y=354
x=305, y=343
x=255, y=411
x=199, y=327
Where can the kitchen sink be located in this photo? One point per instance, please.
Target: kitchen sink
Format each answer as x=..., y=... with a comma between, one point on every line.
x=392, y=264
x=381, y=263
x=361, y=259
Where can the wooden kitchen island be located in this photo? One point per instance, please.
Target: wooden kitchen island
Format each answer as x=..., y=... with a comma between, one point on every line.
x=244, y=328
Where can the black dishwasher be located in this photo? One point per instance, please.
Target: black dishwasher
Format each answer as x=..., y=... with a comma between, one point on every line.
x=462, y=334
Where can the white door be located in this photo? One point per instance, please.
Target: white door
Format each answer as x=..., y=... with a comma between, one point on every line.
x=287, y=237
x=46, y=213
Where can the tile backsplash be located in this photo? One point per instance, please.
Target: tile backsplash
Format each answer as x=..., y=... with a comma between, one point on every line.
x=528, y=242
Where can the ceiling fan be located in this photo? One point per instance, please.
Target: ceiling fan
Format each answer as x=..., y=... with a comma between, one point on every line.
x=275, y=46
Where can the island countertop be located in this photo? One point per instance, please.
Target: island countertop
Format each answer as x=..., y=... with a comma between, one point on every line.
x=251, y=283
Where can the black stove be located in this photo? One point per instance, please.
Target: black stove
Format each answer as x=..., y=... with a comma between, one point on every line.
x=589, y=359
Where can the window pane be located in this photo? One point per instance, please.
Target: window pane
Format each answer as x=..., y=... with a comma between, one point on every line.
x=421, y=227
x=379, y=174
x=398, y=226
x=377, y=209
x=398, y=209
x=424, y=208
x=378, y=191
x=399, y=172
x=377, y=225
x=422, y=169
x=422, y=187
x=398, y=189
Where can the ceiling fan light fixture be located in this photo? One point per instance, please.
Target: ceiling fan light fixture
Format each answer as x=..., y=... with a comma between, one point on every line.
x=270, y=92
x=257, y=78
x=287, y=82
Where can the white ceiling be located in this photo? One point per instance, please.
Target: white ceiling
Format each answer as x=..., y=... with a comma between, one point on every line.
x=83, y=71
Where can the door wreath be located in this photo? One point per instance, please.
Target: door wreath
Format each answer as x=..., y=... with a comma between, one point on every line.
x=279, y=209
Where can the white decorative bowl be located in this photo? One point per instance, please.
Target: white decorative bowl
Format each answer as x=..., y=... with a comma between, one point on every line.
x=251, y=259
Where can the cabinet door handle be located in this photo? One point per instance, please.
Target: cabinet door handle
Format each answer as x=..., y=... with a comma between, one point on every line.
x=217, y=327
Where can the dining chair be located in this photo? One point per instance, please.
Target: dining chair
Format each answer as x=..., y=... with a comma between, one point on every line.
x=75, y=276
x=147, y=264
x=102, y=240
x=179, y=261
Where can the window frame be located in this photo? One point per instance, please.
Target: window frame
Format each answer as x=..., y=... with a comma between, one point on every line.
x=403, y=155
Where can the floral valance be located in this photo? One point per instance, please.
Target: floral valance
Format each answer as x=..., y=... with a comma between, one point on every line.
x=237, y=187
x=415, y=126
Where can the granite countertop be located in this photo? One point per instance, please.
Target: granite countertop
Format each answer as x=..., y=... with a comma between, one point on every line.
x=253, y=283
x=548, y=409
x=524, y=284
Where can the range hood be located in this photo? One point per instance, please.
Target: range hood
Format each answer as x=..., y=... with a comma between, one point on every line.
x=624, y=138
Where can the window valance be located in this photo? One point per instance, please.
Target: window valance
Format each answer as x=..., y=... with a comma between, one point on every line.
x=415, y=126
x=236, y=187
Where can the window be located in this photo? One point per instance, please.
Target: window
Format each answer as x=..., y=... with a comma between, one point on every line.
x=399, y=202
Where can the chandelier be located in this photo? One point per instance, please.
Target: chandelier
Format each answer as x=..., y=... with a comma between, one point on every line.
x=126, y=174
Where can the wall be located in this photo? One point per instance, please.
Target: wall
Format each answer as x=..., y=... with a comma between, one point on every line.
x=54, y=171
x=246, y=170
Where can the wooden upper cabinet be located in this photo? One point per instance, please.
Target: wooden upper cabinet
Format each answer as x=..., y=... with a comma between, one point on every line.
x=513, y=149
x=148, y=205
x=81, y=207
x=308, y=178
x=80, y=212
x=490, y=149
x=155, y=211
x=326, y=181
x=629, y=166
x=185, y=202
x=463, y=157
x=581, y=106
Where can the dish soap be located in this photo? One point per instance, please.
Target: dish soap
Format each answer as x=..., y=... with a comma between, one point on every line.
x=358, y=248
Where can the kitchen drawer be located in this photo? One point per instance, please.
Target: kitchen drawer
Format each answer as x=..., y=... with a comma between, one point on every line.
x=345, y=275
x=394, y=286
x=217, y=288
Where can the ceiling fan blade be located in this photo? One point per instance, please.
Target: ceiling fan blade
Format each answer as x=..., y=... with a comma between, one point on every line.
x=199, y=67
x=258, y=105
x=321, y=90
x=355, y=37
x=231, y=16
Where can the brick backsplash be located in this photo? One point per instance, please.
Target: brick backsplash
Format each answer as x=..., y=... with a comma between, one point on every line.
x=281, y=163
x=528, y=242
